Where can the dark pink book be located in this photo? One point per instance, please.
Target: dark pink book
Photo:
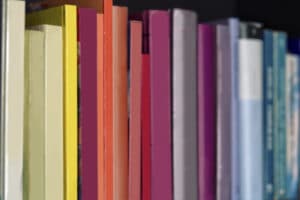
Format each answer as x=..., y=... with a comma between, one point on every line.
x=207, y=139
x=87, y=38
x=160, y=87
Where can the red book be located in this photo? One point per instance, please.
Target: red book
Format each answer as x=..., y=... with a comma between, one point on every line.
x=135, y=110
x=87, y=26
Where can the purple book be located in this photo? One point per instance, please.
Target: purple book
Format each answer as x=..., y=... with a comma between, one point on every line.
x=207, y=146
x=87, y=37
x=161, y=168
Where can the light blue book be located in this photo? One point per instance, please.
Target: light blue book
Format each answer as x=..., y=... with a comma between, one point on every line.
x=268, y=115
x=279, y=51
x=251, y=111
x=292, y=125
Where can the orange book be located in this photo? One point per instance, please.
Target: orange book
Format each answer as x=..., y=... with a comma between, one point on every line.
x=100, y=82
x=120, y=104
x=135, y=110
x=108, y=101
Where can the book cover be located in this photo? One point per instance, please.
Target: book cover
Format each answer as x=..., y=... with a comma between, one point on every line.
x=100, y=106
x=184, y=105
x=160, y=88
x=66, y=16
x=292, y=125
x=87, y=35
x=207, y=147
x=268, y=119
x=120, y=103
x=12, y=102
x=34, y=131
x=135, y=110
x=279, y=52
x=108, y=99
x=223, y=112
x=251, y=111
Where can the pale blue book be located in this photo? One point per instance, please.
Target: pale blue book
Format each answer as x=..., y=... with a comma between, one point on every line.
x=251, y=111
x=279, y=52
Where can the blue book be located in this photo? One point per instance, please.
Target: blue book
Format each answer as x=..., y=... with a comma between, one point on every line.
x=279, y=42
x=268, y=115
x=251, y=111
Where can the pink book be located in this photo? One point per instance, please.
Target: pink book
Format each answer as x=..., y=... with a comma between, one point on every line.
x=87, y=37
x=160, y=88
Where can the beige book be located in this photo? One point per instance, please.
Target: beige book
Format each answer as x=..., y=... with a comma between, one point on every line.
x=44, y=135
x=12, y=105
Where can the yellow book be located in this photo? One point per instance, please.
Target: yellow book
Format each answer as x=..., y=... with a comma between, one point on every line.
x=34, y=166
x=66, y=16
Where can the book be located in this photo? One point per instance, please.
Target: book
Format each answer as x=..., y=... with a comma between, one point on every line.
x=268, y=120
x=251, y=111
x=100, y=106
x=292, y=125
x=279, y=52
x=35, y=133
x=207, y=146
x=184, y=105
x=44, y=113
x=160, y=88
x=66, y=16
x=135, y=110
x=12, y=100
x=224, y=89
x=120, y=103
x=87, y=35
x=108, y=99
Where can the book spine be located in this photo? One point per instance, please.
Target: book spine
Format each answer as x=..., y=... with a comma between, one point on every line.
x=135, y=110
x=223, y=113
x=268, y=115
x=160, y=81
x=279, y=40
x=13, y=122
x=184, y=105
x=251, y=112
x=87, y=21
x=234, y=39
x=207, y=112
x=292, y=125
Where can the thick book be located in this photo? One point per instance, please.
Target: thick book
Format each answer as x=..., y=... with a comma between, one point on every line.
x=66, y=16
x=184, y=105
x=268, y=120
x=34, y=129
x=120, y=102
x=292, y=125
x=87, y=35
x=100, y=106
x=160, y=88
x=279, y=60
x=135, y=110
x=223, y=120
x=12, y=102
x=251, y=111
x=207, y=146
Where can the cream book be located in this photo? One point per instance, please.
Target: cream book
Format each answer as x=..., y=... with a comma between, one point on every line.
x=44, y=113
x=12, y=103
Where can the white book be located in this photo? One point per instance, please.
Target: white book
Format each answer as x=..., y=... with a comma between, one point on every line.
x=13, y=103
x=185, y=105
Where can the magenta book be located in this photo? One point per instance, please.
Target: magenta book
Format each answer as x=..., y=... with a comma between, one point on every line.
x=160, y=80
x=207, y=147
x=87, y=39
